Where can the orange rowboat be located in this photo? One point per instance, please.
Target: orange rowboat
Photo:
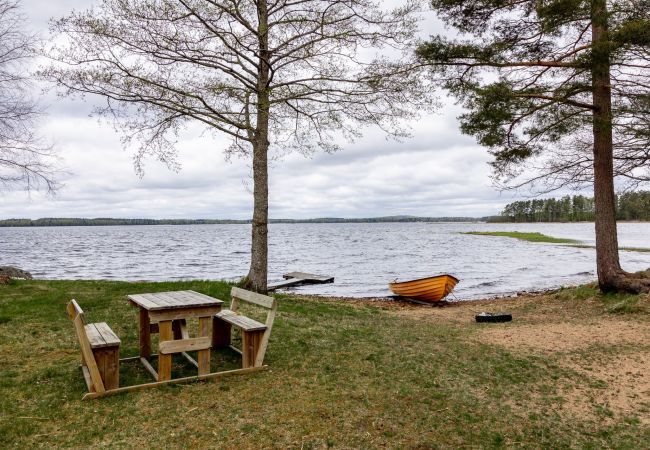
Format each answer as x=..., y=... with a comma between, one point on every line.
x=430, y=290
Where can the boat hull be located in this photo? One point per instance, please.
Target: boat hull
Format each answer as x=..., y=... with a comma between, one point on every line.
x=431, y=289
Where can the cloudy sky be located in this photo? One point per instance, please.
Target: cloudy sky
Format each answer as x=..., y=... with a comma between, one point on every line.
x=437, y=172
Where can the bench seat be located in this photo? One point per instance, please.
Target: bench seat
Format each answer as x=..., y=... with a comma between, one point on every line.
x=243, y=322
x=255, y=335
x=100, y=335
x=100, y=351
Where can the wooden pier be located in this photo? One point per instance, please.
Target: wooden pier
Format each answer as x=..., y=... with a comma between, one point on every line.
x=300, y=278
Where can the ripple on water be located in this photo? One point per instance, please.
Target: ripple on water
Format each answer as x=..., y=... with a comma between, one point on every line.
x=362, y=257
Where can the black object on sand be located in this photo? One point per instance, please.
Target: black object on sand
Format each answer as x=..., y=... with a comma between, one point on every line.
x=493, y=317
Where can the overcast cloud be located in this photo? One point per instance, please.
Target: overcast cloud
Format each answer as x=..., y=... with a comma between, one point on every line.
x=437, y=172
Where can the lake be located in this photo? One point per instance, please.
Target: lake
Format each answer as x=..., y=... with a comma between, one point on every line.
x=362, y=257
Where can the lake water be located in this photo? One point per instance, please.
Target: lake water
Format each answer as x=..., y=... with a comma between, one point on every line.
x=362, y=257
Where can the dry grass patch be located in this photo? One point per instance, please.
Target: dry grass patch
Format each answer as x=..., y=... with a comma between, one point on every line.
x=566, y=336
x=619, y=387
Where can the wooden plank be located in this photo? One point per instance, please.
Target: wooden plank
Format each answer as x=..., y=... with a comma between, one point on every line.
x=210, y=376
x=184, y=345
x=243, y=322
x=147, y=365
x=142, y=301
x=190, y=359
x=165, y=361
x=189, y=297
x=309, y=277
x=220, y=333
x=109, y=336
x=109, y=366
x=74, y=309
x=180, y=299
x=89, y=382
x=252, y=297
x=250, y=345
x=133, y=358
x=270, y=318
x=145, y=334
x=101, y=363
x=112, y=368
x=94, y=336
x=207, y=298
x=173, y=299
x=203, y=356
x=185, y=334
x=287, y=283
x=88, y=356
x=162, y=301
x=298, y=278
x=183, y=313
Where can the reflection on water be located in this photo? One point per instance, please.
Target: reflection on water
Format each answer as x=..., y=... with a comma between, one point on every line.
x=362, y=257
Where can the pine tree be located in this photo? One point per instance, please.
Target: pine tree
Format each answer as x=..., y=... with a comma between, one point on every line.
x=561, y=85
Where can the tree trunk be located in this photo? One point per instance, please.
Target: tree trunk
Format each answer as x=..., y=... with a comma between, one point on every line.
x=611, y=278
x=257, y=275
x=607, y=262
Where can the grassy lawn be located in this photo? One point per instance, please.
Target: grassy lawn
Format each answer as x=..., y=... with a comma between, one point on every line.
x=343, y=375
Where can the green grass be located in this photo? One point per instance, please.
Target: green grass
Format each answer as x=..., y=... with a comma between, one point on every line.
x=539, y=237
x=531, y=237
x=341, y=376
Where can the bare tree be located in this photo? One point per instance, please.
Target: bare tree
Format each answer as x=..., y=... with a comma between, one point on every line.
x=25, y=160
x=271, y=74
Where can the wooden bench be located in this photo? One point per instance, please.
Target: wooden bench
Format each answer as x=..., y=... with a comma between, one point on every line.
x=255, y=335
x=100, y=351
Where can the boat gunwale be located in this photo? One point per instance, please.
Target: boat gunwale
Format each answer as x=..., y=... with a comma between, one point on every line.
x=422, y=279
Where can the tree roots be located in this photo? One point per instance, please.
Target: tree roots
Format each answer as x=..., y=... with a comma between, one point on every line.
x=626, y=282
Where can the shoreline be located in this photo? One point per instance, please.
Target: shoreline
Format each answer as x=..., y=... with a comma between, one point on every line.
x=392, y=302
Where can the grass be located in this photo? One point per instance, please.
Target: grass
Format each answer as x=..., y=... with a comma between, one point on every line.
x=539, y=237
x=343, y=375
x=531, y=237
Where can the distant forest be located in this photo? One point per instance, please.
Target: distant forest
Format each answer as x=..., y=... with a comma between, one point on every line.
x=577, y=208
x=61, y=222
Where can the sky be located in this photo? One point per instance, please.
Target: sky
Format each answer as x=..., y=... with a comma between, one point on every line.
x=436, y=172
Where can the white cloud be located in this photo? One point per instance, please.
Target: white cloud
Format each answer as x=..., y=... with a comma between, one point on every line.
x=438, y=172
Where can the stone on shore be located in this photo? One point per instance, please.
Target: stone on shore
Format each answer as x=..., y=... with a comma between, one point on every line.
x=14, y=272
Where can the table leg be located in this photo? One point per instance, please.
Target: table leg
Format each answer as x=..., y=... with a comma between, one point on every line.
x=204, y=355
x=145, y=334
x=165, y=361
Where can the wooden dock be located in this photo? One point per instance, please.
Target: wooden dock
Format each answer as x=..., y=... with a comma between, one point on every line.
x=300, y=278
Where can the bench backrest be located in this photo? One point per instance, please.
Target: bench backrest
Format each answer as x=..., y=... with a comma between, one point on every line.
x=239, y=294
x=74, y=310
x=76, y=314
x=242, y=295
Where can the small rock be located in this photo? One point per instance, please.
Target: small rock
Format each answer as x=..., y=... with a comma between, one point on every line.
x=14, y=272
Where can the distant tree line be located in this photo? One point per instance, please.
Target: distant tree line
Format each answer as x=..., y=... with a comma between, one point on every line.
x=576, y=208
x=62, y=222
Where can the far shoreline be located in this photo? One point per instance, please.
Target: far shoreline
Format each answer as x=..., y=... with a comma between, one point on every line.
x=53, y=223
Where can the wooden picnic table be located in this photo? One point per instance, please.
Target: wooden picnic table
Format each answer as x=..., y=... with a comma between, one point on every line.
x=166, y=313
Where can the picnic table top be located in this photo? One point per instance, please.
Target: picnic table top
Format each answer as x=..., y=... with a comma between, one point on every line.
x=173, y=300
